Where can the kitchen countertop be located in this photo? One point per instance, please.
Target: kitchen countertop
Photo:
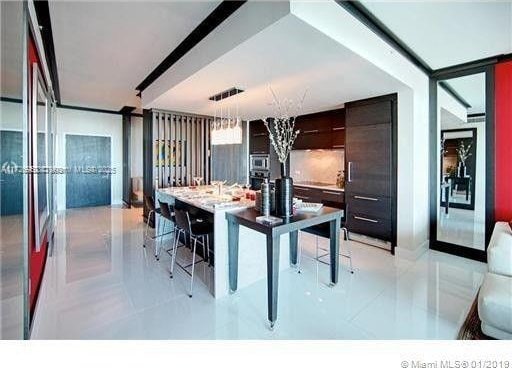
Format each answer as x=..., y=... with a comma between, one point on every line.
x=203, y=197
x=332, y=187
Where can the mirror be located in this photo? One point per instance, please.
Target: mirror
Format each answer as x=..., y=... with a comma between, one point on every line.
x=461, y=161
x=40, y=118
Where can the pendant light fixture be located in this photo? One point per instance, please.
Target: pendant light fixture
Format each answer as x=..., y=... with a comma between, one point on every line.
x=226, y=128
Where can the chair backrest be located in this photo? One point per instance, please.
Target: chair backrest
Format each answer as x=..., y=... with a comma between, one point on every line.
x=150, y=202
x=165, y=211
x=182, y=220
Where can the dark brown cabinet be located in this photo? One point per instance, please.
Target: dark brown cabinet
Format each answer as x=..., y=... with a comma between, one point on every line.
x=315, y=131
x=338, y=129
x=259, y=142
x=323, y=130
x=370, y=167
x=330, y=197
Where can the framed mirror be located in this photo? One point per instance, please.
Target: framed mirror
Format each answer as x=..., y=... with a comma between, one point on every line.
x=40, y=116
x=462, y=183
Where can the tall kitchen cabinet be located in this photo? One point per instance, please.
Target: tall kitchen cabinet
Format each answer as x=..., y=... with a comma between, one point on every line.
x=370, y=167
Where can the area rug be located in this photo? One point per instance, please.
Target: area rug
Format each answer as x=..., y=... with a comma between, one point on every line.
x=471, y=329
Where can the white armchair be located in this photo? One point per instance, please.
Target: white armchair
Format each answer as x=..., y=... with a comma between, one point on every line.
x=495, y=297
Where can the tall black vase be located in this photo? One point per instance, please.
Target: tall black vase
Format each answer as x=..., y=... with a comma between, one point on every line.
x=284, y=194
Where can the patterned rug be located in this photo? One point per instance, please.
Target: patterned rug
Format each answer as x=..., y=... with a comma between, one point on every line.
x=470, y=329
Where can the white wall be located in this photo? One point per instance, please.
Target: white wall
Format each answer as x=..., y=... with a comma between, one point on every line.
x=90, y=123
x=413, y=116
x=136, y=147
x=11, y=115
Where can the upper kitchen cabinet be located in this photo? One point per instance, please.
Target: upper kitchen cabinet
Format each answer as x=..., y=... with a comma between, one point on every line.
x=338, y=129
x=323, y=130
x=259, y=141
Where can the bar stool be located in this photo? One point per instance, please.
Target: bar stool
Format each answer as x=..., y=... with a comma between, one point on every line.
x=196, y=230
x=167, y=217
x=323, y=230
x=149, y=202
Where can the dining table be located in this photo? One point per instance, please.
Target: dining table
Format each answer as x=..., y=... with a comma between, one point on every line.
x=273, y=232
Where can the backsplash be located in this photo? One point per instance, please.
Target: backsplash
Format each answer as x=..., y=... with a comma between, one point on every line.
x=316, y=165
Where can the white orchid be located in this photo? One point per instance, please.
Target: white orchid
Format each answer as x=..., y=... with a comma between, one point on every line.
x=464, y=152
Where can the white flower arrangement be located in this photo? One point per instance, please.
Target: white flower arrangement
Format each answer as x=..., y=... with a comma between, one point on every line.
x=281, y=128
x=463, y=152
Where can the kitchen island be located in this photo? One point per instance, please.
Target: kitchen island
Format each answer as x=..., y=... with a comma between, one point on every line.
x=252, y=250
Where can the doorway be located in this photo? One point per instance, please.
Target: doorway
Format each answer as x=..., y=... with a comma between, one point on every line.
x=88, y=181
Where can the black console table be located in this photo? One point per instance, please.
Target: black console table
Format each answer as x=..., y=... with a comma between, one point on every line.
x=273, y=233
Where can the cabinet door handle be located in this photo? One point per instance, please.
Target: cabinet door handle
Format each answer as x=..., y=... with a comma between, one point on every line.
x=349, y=178
x=328, y=192
x=339, y=128
x=338, y=145
x=302, y=197
x=311, y=131
x=258, y=152
x=259, y=135
x=366, y=198
x=366, y=219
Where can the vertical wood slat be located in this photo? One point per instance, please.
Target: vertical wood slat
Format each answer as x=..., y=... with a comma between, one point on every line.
x=197, y=146
x=162, y=139
x=192, y=151
x=154, y=148
x=182, y=150
x=189, y=149
x=172, y=129
x=175, y=135
x=202, y=147
x=167, y=136
x=169, y=162
x=176, y=143
x=207, y=158
x=160, y=136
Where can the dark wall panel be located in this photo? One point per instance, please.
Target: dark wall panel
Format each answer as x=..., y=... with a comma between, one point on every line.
x=87, y=189
x=127, y=181
x=11, y=153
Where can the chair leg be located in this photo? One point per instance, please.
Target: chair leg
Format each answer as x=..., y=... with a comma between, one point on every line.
x=299, y=253
x=147, y=228
x=208, y=249
x=159, y=244
x=193, y=266
x=349, y=249
x=174, y=250
x=203, y=242
x=316, y=248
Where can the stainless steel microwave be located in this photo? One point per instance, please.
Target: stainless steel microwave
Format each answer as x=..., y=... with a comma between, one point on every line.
x=259, y=162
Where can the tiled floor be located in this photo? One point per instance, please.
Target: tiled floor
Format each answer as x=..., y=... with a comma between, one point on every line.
x=101, y=284
x=11, y=277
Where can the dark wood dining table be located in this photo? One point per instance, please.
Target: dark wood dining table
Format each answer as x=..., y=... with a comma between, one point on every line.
x=291, y=225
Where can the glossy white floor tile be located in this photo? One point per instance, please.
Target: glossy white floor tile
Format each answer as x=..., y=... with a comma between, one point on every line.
x=102, y=284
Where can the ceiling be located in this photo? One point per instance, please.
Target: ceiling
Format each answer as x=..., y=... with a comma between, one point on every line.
x=105, y=49
x=472, y=89
x=11, y=57
x=330, y=73
x=446, y=33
